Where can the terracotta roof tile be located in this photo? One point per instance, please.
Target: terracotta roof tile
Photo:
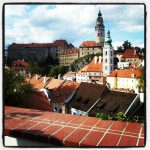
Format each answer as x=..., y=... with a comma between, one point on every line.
x=39, y=84
x=126, y=73
x=54, y=84
x=95, y=67
x=64, y=91
x=130, y=53
x=55, y=129
x=39, y=100
x=89, y=44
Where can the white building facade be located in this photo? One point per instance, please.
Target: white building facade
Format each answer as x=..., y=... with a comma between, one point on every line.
x=108, y=56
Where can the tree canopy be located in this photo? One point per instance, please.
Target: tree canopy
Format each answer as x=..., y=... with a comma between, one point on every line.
x=16, y=89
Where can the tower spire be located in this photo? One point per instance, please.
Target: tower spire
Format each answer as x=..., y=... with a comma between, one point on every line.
x=100, y=30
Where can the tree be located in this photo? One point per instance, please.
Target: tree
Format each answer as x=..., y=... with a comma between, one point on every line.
x=127, y=45
x=120, y=49
x=56, y=70
x=35, y=67
x=141, y=80
x=16, y=89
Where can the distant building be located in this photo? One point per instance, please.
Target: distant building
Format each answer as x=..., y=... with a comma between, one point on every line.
x=70, y=76
x=21, y=67
x=132, y=56
x=68, y=57
x=123, y=65
x=37, y=51
x=89, y=47
x=124, y=79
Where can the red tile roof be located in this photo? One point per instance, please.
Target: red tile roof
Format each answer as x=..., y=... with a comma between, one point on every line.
x=89, y=44
x=95, y=67
x=39, y=100
x=64, y=91
x=32, y=45
x=20, y=63
x=54, y=84
x=70, y=130
x=126, y=73
x=71, y=51
x=130, y=53
x=60, y=43
x=39, y=84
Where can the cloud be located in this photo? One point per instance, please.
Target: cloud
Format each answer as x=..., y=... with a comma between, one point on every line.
x=75, y=23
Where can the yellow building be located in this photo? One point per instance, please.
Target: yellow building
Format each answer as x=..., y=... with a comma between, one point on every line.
x=68, y=57
x=89, y=47
x=124, y=79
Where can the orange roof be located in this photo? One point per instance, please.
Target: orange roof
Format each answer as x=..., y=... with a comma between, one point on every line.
x=69, y=74
x=89, y=44
x=39, y=100
x=54, y=83
x=127, y=73
x=95, y=67
x=20, y=63
x=64, y=91
x=130, y=53
x=83, y=70
x=39, y=84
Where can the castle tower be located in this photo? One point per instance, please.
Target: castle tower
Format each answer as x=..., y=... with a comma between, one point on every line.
x=100, y=30
x=108, y=55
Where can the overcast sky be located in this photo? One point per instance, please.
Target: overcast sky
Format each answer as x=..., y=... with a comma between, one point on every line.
x=75, y=23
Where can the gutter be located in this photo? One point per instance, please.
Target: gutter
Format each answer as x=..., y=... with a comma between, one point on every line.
x=135, y=99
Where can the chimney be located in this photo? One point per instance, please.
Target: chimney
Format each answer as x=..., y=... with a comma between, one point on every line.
x=37, y=76
x=100, y=59
x=29, y=75
x=95, y=59
x=134, y=52
x=45, y=79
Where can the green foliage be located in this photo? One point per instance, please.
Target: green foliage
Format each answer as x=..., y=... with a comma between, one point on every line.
x=127, y=45
x=56, y=70
x=35, y=67
x=16, y=90
x=103, y=116
x=79, y=63
x=120, y=117
x=141, y=80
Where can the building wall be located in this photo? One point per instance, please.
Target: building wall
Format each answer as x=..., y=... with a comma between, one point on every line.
x=108, y=60
x=123, y=65
x=125, y=83
x=132, y=60
x=89, y=50
x=82, y=78
x=67, y=59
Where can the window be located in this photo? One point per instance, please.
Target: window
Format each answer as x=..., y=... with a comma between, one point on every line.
x=60, y=110
x=106, y=52
x=105, y=67
x=55, y=108
x=106, y=60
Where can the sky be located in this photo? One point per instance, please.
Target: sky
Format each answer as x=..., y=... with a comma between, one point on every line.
x=75, y=23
